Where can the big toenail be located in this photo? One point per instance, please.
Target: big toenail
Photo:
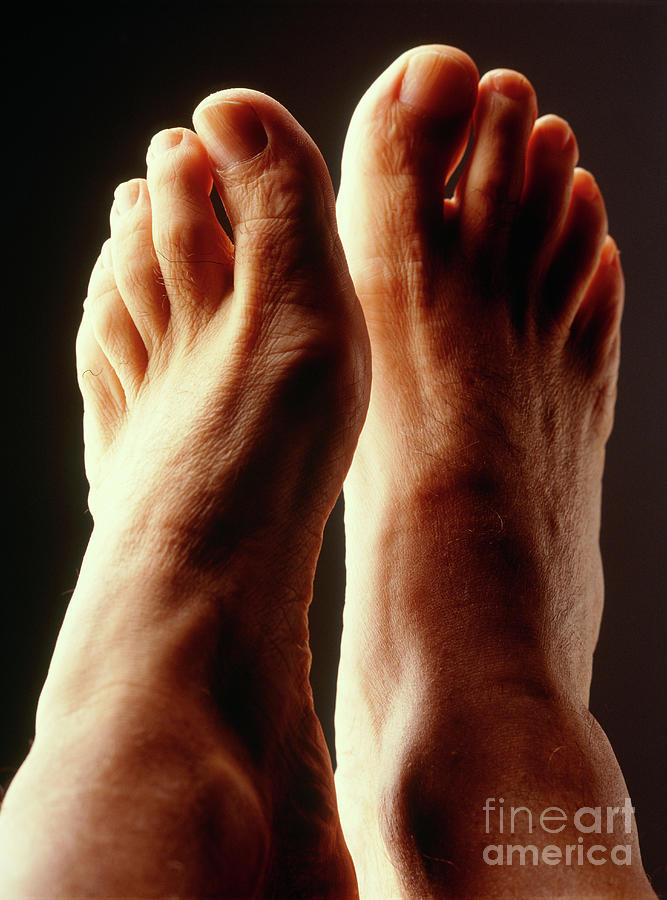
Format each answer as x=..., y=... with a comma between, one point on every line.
x=165, y=140
x=438, y=85
x=126, y=195
x=231, y=130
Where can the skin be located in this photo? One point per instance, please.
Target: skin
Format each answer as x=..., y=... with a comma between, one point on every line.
x=213, y=377
x=474, y=586
x=225, y=388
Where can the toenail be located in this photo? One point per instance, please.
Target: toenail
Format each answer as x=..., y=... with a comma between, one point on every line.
x=438, y=84
x=232, y=131
x=609, y=252
x=568, y=142
x=511, y=85
x=165, y=140
x=126, y=195
x=588, y=189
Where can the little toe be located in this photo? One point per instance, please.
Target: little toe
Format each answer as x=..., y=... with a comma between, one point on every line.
x=550, y=160
x=101, y=389
x=276, y=190
x=491, y=186
x=104, y=405
x=135, y=267
x=112, y=325
x=407, y=135
x=193, y=252
x=577, y=251
x=595, y=330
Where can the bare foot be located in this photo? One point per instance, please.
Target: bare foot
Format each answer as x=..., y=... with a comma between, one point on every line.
x=177, y=751
x=473, y=504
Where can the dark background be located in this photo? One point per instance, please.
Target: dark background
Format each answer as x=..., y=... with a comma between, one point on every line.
x=82, y=97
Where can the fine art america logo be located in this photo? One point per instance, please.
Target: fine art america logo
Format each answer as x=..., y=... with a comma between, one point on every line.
x=553, y=820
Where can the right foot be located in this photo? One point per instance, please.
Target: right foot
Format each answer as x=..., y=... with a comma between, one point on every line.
x=177, y=750
x=472, y=506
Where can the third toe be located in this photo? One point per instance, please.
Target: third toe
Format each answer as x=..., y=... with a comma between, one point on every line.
x=551, y=157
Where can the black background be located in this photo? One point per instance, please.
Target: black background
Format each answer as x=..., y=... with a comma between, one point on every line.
x=83, y=94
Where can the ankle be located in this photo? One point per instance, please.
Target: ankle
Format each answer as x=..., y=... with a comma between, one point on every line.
x=514, y=755
x=481, y=573
x=145, y=613
x=157, y=810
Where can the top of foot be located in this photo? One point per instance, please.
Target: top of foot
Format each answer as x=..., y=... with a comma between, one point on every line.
x=225, y=383
x=473, y=502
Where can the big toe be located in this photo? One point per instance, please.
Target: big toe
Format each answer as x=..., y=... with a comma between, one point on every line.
x=406, y=137
x=277, y=192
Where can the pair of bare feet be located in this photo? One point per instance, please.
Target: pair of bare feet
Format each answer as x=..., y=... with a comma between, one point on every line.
x=177, y=751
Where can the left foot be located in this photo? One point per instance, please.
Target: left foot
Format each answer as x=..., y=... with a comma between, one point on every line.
x=177, y=750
